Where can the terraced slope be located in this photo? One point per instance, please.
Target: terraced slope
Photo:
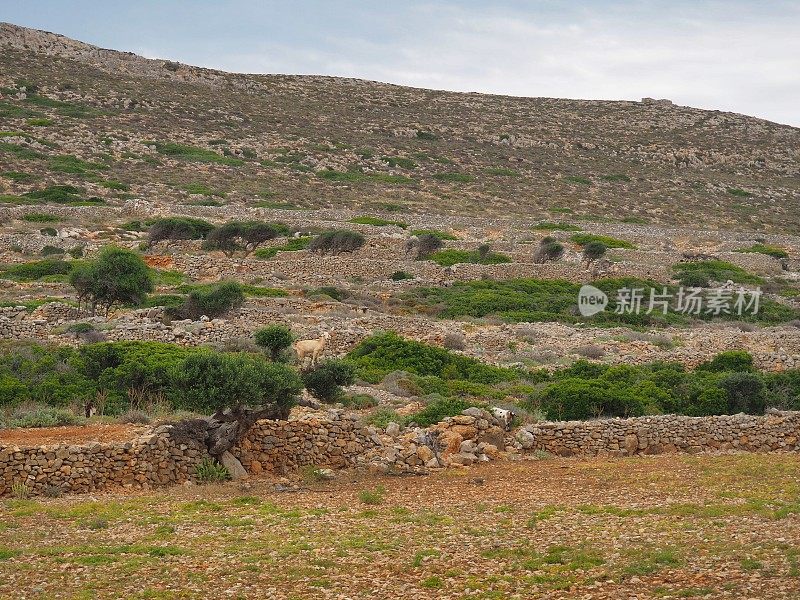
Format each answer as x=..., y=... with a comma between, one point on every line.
x=122, y=127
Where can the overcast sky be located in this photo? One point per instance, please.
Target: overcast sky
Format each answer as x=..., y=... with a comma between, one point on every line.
x=741, y=56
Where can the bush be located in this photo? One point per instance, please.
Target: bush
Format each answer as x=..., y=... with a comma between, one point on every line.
x=379, y=222
x=583, y=239
x=381, y=354
x=731, y=360
x=325, y=380
x=382, y=417
x=210, y=471
x=275, y=339
x=337, y=242
x=51, y=250
x=438, y=409
x=594, y=250
x=44, y=417
x=548, y=250
x=772, y=251
x=423, y=245
x=450, y=257
x=454, y=341
x=210, y=300
x=243, y=236
x=359, y=401
x=31, y=271
x=118, y=276
x=41, y=218
x=212, y=381
x=745, y=393
x=178, y=228
x=713, y=270
x=400, y=276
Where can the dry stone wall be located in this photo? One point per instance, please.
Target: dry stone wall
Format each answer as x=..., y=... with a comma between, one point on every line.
x=775, y=431
x=159, y=457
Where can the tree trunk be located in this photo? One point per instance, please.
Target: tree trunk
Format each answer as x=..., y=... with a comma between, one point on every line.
x=228, y=429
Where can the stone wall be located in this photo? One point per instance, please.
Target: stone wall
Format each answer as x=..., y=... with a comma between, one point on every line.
x=664, y=433
x=160, y=458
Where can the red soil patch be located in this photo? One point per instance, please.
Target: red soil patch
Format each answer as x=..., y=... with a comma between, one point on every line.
x=78, y=434
x=159, y=261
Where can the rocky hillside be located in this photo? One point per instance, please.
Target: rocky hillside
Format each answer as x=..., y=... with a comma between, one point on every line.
x=121, y=127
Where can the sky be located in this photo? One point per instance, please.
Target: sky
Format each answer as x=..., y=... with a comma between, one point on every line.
x=740, y=56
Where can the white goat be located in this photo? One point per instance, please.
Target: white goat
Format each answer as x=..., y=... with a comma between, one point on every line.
x=312, y=348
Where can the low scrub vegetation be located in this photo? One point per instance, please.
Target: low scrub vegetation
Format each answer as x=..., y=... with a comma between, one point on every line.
x=481, y=256
x=772, y=251
x=337, y=242
x=702, y=273
x=379, y=222
x=728, y=384
x=193, y=153
x=534, y=300
x=583, y=239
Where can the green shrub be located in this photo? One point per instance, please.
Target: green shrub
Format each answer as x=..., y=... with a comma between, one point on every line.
x=116, y=277
x=378, y=222
x=594, y=250
x=359, y=401
x=61, y=194
x=274, y=339
x=243, y=236
x=450, y=257
x=453, y=177
x=210, y=471
x=772, y=251
x=534, y=300
x=16, y=175
x=66, y=163
x=745, y=392
x=51, y=250
x=582, y=239
x=578, y=179
x=48, y=231
x=615, y=177
x=400, y=276
x=292, y=245
x=730, y=360
x=712, y=270
x=382, y=417
x=381, y=354
x=325, y=381
x=547, y=226
x=31, y=271
x=177, y=228
x=214, y=381
x=41, y=218
x=438, y=409
x=398, y=161
x=337, y=242
x=549, y=250
x=442, y=235
x=193, y=153
x=212, y=300
x=739, y=192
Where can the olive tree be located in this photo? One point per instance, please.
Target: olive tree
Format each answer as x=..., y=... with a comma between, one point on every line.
x=238, y=390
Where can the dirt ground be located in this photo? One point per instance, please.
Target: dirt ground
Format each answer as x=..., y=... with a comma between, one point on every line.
x=672, y=526
x=74, y=434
